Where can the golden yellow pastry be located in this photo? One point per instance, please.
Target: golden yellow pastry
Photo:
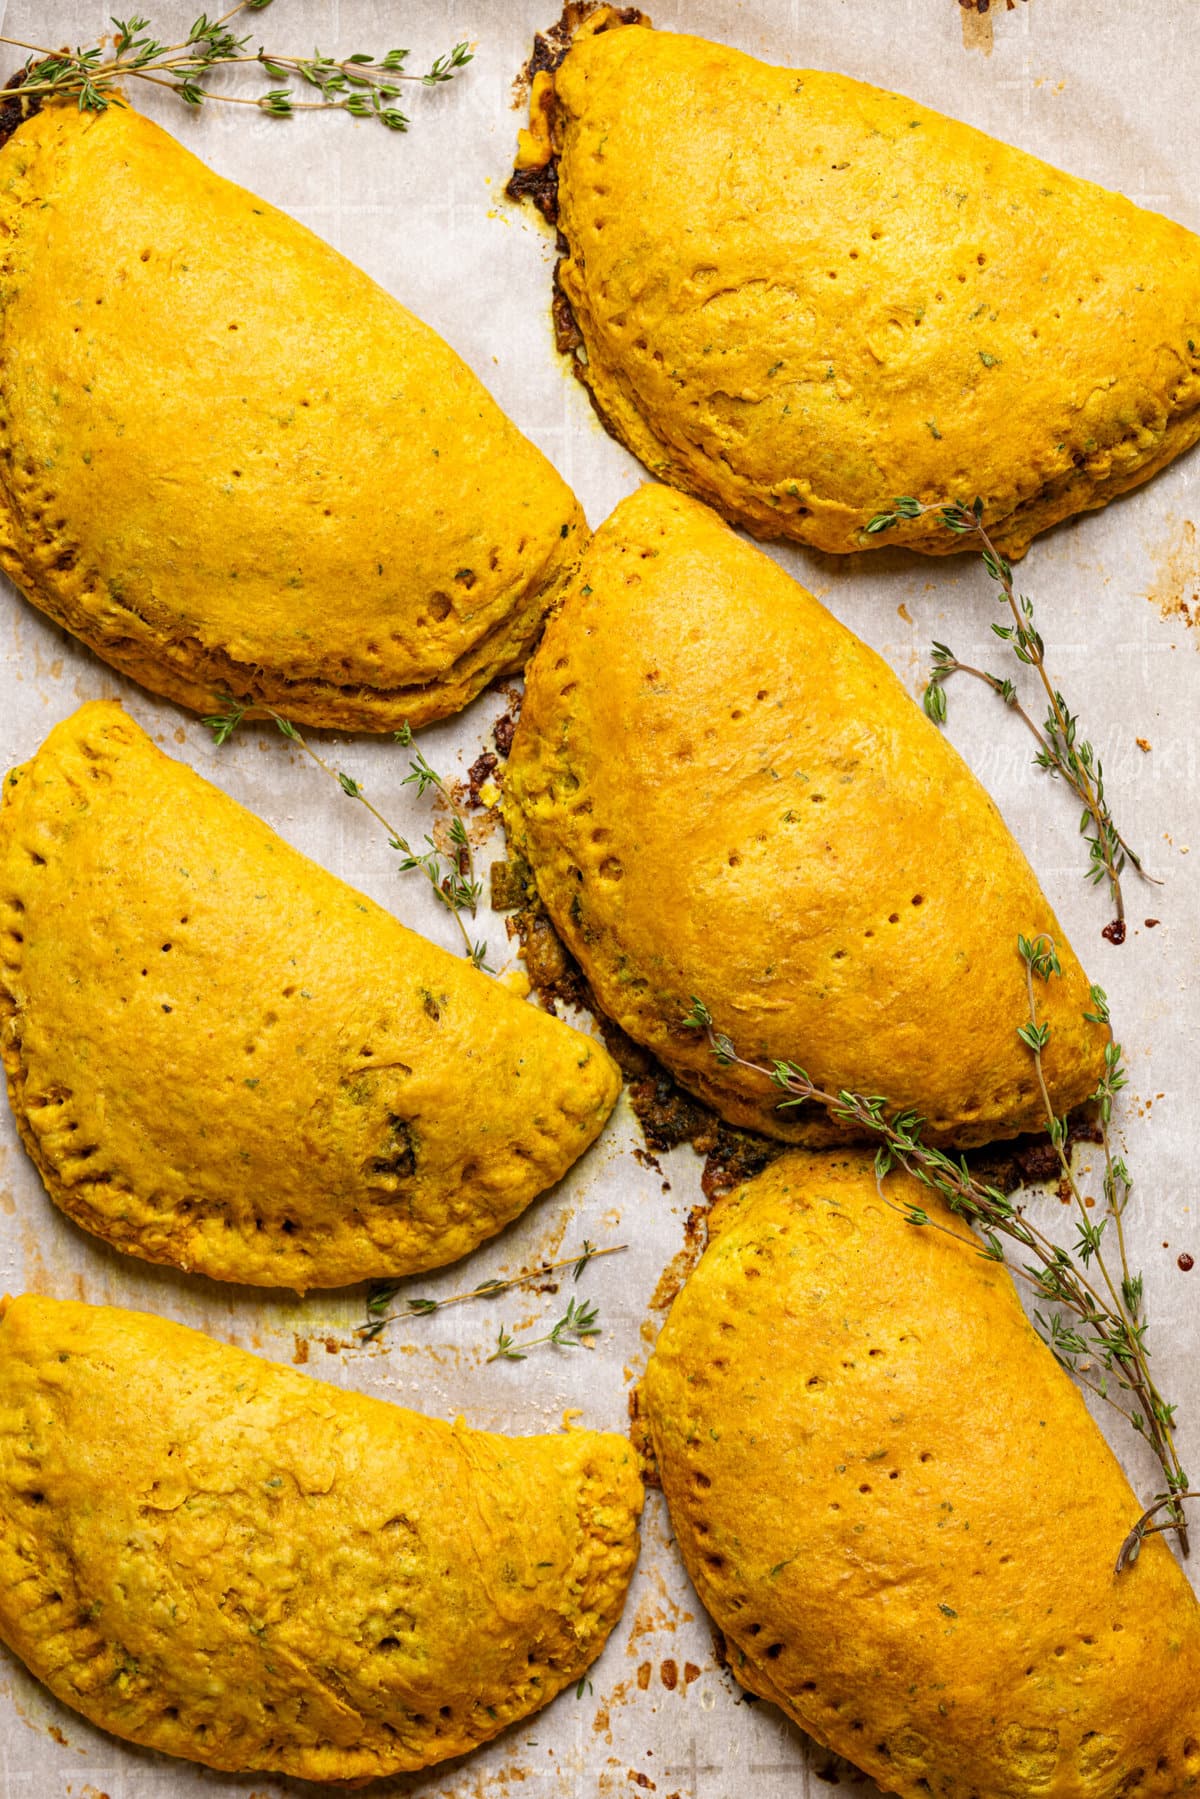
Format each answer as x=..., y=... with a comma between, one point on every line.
x=220, y=1558
x=231, y=464
x=816, y=295
x=220, y=1056
x=697, y=724
x=896, y=1507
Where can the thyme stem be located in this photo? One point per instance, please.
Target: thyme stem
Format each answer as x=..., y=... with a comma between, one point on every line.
x=1059, y=753
x=952, y=666
x=1125, y=1295
x=353, y=790
x=1145, y=1527
x=455, y=886
x=378, y=1316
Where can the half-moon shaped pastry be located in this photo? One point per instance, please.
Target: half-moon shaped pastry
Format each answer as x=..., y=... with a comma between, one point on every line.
x=217, y=1557
x=815, y=295
x=894, y=1504
x=222, y=1057
x=696, y=723
x=232, y=464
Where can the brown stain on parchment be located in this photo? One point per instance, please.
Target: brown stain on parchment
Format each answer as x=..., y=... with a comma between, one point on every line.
x=488, y=1786
x=673, y=1678
x=547, y=1247
x=657, y=1615
x=602, y=1722
x=677, y=1270
x=978, y=22
x=38, y=1278
x=1175, y=585
x=978, y=31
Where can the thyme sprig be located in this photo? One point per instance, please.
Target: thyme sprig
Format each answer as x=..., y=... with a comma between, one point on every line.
x=578, y=1324
x=381, y=1297
x=1090, y=1310
x=363, y=84
x=450, y=874
x=1060, y=752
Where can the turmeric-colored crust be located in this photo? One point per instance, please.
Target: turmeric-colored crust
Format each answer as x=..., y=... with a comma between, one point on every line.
x=220, y=1558
x=695, y=722
x=816, y=295
x=220, y=1056
x=896, y=1507
x=232, y=464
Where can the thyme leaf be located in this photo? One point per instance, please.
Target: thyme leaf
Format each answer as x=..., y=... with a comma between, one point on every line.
x=578, y=1323
x=364, y=85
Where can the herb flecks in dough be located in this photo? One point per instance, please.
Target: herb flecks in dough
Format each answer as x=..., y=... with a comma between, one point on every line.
x=451, y=874
x=896, y=1508
x=363, y=84
x=1099, y=1334
x=785, y=766
x=381, y=1297
x=1059, y=750
x=322, y=1587
x=337, y=1099
x=805, y=256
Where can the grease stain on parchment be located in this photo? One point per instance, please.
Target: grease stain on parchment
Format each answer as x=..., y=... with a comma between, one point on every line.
x=657, y=1614
x=38, y=1278
x=978, y=22
x=1175, y=584
x=682, y=1263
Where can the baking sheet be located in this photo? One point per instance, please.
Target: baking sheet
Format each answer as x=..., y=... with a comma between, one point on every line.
x=1107, y=91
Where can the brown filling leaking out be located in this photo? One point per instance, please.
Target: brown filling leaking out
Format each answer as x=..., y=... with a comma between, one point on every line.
x=16, y=108
x=567, y=335
x=551, y=46
x=540, y=188
x=536, y=181
x=540, y=185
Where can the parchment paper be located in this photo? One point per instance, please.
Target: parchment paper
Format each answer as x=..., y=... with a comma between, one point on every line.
x=1108, y=92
